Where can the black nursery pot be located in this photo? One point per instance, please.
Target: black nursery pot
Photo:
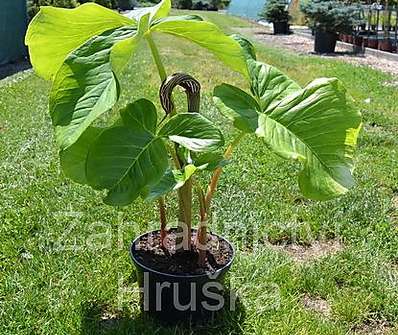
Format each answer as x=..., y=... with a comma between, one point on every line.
x=125, y=4
x=325, y=42
x=171, y=297
x=281, y=28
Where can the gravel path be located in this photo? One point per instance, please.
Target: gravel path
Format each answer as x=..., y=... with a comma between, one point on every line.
x=305, y=45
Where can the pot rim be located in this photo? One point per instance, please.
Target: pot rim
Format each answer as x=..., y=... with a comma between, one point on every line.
x=175, y=276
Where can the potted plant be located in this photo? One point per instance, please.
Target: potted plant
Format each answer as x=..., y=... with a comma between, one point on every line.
x=214, y=5
x=328, y=18
x=373, y=42
x=276, y=12
x=126, y=4
x=385, y=45
x=359, y=43
x=148, y=154
x=182, y=4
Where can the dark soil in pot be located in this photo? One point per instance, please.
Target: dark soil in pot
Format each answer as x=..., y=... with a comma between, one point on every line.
x=173, y=286
x=149, y=252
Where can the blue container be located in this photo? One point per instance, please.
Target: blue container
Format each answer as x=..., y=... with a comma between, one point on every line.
x=13, y=24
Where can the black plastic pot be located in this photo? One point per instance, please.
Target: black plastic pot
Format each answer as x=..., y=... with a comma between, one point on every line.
x=359, y=44
x=281, y=28
x=385, y=45
x=325, y=42
x=125, y=4
x=373, y=43
x=170, y=297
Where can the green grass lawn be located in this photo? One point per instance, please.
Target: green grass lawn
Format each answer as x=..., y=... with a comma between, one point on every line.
x=64, y=258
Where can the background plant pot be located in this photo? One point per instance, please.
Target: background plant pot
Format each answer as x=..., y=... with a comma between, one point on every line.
x=373, y=43
x=359, y=45
x=181, y=288
x=125, y=4
x=385, y=45
x=358, y=41
x=325, y=42
x=281, y=28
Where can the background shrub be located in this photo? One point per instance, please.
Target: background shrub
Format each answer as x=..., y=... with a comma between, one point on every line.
x=275, y=11
x=182, y=4
x=201, y=4
x=331, y=16
x=125, y=4
x=112, y=4
x=34, y=5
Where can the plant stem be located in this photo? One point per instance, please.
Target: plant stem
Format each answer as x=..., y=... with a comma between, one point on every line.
x=163, y=220
x=185, y=193
x=185, y=217
x=201, y=236
x=156, y=58
x=217, y=173
x=163, y=76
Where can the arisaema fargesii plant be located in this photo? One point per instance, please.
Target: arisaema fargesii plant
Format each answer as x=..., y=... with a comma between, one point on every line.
x=147, y=153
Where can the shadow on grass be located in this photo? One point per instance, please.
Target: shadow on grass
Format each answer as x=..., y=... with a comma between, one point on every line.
x=355, y=54
x=12, y=68
x=96, y=319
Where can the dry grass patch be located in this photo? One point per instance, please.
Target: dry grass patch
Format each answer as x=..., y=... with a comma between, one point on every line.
x=316, y=250
x=394, y=209
x=395, y=202
x=375, y=328
x=317, y=305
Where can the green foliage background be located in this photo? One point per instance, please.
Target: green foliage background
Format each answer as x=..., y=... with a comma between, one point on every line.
x=331, y=15
x=34, y=5
x=275, y=11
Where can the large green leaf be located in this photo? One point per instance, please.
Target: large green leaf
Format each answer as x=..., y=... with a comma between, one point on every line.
x=74, y=158
x=269, y=85
x=208, y=36
x=238, y=106
x=140, y=115
x=55, y=32
x=193, y=131
x=162, y=9
x=86, y=86
x=123, y=50
x=190, y=17
x=124, y=161
x=248, y=48
x=172, y=180
x=317, y=127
